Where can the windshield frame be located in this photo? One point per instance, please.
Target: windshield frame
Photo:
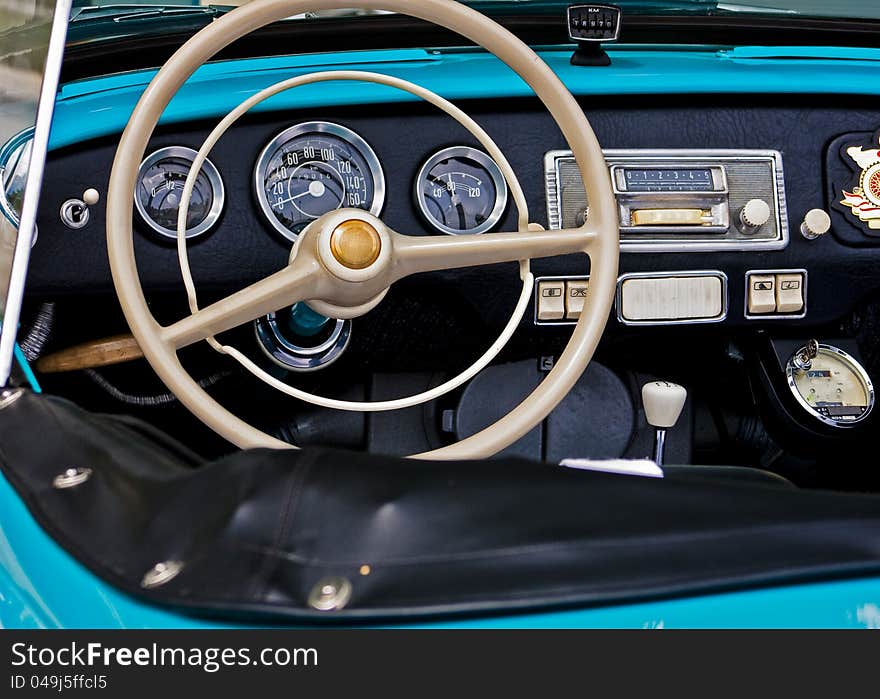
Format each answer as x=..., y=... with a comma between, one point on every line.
x=28, y=217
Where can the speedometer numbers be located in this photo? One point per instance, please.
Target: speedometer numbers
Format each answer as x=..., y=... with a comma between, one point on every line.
x=461, y=190
x=313, y=168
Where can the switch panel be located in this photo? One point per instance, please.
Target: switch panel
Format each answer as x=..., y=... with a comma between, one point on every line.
x=551, y=300
x=560, y=300
x=776, y=294
x=655, y=298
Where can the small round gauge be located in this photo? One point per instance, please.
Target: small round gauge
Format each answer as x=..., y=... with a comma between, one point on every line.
x=461, y=190
x=830, y=384
x=160, y=185
x=313, y=168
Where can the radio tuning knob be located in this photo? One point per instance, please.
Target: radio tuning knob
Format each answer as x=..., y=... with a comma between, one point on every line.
x=816, y=223
x=753, y=215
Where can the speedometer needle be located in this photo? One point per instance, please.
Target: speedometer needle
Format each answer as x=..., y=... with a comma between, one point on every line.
x=316, y=189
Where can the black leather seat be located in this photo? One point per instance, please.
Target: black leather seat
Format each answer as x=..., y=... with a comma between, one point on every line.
x=256, y=533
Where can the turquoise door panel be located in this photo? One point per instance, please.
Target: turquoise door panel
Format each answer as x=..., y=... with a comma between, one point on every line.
x=41, y=586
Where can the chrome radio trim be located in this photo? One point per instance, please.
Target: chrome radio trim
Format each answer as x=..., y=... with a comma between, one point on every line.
x=725, y=297
x=716, y=198
x=674, y=157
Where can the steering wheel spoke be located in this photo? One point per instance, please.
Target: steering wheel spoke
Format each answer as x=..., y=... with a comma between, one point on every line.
x=293, y=283
x=431, y=253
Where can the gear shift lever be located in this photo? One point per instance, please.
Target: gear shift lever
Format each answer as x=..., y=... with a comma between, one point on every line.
x=663, y=402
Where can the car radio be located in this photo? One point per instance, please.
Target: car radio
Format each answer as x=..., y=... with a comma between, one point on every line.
x=675, y=200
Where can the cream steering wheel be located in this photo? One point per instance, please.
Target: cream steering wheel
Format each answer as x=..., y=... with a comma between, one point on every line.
x=344, y=262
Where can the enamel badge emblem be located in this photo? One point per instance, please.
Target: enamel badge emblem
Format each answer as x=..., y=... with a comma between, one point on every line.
x=864, y=199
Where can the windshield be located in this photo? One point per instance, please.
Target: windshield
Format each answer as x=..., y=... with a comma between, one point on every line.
x=866, y=9
x=24, y=39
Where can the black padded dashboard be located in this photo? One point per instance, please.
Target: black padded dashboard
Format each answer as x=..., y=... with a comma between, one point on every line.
x=243, y=248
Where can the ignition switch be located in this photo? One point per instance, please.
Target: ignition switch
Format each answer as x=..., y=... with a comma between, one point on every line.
x=75, y=212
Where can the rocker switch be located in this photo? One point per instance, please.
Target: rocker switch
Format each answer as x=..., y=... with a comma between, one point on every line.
x=762, y=293
x=551, y=300
x=789, y=293
x=575, y=295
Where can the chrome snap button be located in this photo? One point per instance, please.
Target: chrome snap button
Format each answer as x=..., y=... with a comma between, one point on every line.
x=73, y=476
x=330, y=594
x=161, y=573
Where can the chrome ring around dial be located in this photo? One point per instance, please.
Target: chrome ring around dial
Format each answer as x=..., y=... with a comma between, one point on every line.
x=313, y=168
x=15, y=157
x=292, y=357
x=209, y=187
x=439, y=199
x=826, y=392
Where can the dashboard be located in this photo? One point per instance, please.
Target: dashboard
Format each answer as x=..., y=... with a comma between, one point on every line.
x=427, y=177
x=739, y=214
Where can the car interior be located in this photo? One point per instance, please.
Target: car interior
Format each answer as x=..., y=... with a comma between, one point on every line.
x=610, y=274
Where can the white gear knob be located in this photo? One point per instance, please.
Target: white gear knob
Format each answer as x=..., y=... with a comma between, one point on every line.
x=754, y=214
x=663, y=403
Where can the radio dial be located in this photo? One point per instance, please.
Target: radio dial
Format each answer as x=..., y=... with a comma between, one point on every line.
x=753, y=215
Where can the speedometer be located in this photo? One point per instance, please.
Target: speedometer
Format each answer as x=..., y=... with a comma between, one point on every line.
x=313, y=168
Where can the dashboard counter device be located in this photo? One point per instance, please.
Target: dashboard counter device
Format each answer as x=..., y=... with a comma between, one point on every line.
x=660, y=179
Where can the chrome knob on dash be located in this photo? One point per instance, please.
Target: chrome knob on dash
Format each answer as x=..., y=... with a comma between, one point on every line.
x=753, y=215
x=816, y=223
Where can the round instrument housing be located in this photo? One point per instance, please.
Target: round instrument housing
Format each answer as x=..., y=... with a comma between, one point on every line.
x=313, y=168
x=161, y=178
x=280, y=343
x=461, y=191
x=834, y=389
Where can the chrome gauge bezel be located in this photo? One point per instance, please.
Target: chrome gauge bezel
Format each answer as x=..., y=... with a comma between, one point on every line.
x=857, y=369
x=321, y=127
x=16, y=149
x=218, y=191
x=485, y=161
x=293, y=357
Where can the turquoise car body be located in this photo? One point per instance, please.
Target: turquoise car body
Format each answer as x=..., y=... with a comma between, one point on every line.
x=42, y=586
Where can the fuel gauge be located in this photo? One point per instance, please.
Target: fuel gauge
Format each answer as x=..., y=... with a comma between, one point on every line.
x=461, y=190
x=160, y=185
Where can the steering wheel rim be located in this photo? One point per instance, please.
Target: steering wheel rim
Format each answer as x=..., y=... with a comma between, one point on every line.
x=598, y=237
